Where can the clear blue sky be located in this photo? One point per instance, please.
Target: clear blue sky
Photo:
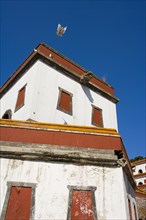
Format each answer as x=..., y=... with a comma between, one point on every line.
x=106, y=37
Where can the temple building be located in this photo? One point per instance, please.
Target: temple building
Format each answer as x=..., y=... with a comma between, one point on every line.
x=139, y=172
x=62, y=156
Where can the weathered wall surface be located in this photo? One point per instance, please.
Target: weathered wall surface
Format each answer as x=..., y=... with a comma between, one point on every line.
x=42, y=91
x=130, y=195
x=52, y=191
x=141, y=205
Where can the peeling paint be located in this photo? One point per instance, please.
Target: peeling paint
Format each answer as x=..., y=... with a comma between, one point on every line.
x=52, y=180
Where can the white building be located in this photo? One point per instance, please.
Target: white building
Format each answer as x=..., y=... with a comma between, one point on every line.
x=61, y=155
x=139, y=172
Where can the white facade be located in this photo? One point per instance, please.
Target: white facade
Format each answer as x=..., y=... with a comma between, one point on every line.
x=41, y=97
x=52, y=159
x=52, y=181
x=139, y=169
x=140, y=181
x=139, y=172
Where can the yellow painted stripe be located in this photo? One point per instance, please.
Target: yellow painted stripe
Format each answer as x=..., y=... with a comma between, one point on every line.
x=62, y=127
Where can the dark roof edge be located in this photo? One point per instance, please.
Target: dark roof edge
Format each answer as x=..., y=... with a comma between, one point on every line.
x=35, y=55
x=74, y=63
x=89, y=85
x=21, y=66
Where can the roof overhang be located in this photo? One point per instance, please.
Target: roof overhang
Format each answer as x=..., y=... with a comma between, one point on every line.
x=61, y=63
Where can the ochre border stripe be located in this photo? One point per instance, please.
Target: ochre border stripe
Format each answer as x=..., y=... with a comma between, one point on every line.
x=61, y=127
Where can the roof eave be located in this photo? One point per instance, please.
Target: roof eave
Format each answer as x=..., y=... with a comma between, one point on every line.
x=36, y=55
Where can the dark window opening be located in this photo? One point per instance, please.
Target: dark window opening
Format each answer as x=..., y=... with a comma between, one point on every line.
x=140, y=171
x=135, y=213
x=130, y=211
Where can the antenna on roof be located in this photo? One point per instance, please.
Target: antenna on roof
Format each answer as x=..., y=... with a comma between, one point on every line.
x=60, y=30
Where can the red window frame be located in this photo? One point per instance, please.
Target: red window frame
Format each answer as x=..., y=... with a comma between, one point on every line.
x=97, y=119
x=82, y=204
x=19, y=204
x=19, y=201
x=20, y=98
x=65, y=101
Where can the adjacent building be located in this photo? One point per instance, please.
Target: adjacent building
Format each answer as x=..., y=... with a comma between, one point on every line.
x=61, y=154
x=139, y=172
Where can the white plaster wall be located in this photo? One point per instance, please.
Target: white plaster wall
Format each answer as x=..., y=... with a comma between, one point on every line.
x=42, y=97
x=82, y=99
x=129, y=194
x=140, y=179
x=52, y=179
x=8, y=101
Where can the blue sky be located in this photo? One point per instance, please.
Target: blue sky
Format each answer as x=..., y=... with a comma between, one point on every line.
x=105, y=37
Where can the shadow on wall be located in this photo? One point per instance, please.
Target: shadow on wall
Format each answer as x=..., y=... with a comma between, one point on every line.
x=88, y=93
x=65, y=122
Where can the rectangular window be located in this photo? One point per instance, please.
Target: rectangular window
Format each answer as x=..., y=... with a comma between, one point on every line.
x=20, y=98
x=65, y=101
x=97, y=116
x=130, y=212
x=19, y=202
x=82, y=203
x=135, y=213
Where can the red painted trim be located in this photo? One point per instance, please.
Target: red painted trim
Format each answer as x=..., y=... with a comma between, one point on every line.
x=17, y=71
x=140, y=175
x=60, y=138
x=140, y=194
x=138, y=162
x=62, y=61
x=142, y=187
x=72, y=66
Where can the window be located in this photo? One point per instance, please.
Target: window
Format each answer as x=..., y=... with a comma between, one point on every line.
x=130, y=212
x=7, y=114
x=140, y=183
x=19, y=201
x=135, y=213
x=97, y=116
x=20, y=98
x=140, y=171
x=65, y=101
x=81, y=203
